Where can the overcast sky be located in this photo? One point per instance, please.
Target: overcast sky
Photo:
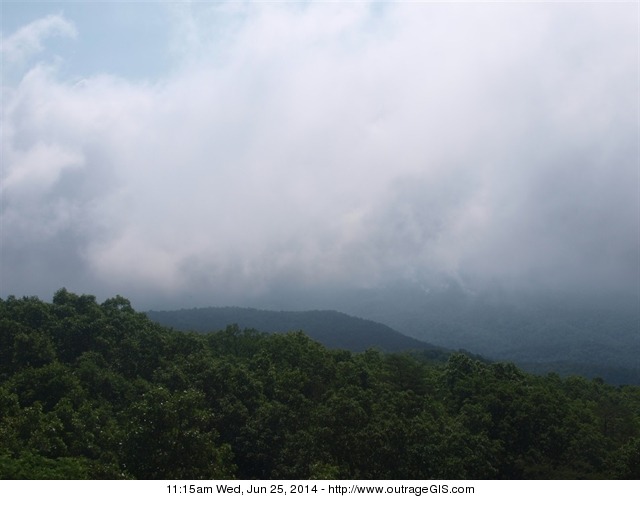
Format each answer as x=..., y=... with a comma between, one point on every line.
x=219, y=151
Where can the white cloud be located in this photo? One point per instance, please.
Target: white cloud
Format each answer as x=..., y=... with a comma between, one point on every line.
x=339, y=144
x=28, y=40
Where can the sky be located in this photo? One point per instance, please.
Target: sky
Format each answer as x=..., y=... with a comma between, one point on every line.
x=201, y=153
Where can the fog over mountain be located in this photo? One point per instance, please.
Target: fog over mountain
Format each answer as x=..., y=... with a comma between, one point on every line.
x=199, y=154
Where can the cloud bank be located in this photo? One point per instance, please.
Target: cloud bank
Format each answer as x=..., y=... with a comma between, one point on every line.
x=329, y=145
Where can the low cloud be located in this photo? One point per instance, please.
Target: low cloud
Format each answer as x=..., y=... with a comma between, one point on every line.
x=330, y=145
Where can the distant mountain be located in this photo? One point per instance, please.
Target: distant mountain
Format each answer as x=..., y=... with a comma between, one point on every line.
x=331, y=328
x=593, y=335
x=590, y=335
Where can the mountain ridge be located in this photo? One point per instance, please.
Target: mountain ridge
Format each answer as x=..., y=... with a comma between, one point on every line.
x=334, y=329
x=543, y=333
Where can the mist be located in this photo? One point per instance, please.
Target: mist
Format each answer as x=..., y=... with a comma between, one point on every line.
x=307, y=148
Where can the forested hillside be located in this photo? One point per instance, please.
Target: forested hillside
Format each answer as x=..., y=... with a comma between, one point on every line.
x=331, y=328
x=594, y=335
x=92, y=390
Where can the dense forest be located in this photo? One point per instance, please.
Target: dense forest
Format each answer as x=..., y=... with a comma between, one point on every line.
x=99, y=391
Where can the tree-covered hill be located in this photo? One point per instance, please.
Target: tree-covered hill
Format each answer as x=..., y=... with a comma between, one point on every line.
x=92, y=390
x=591, y=334
x=331, y=328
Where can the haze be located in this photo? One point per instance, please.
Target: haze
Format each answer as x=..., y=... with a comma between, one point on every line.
x=210, y=153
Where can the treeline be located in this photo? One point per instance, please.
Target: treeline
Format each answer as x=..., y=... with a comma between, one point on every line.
x=99, y=391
